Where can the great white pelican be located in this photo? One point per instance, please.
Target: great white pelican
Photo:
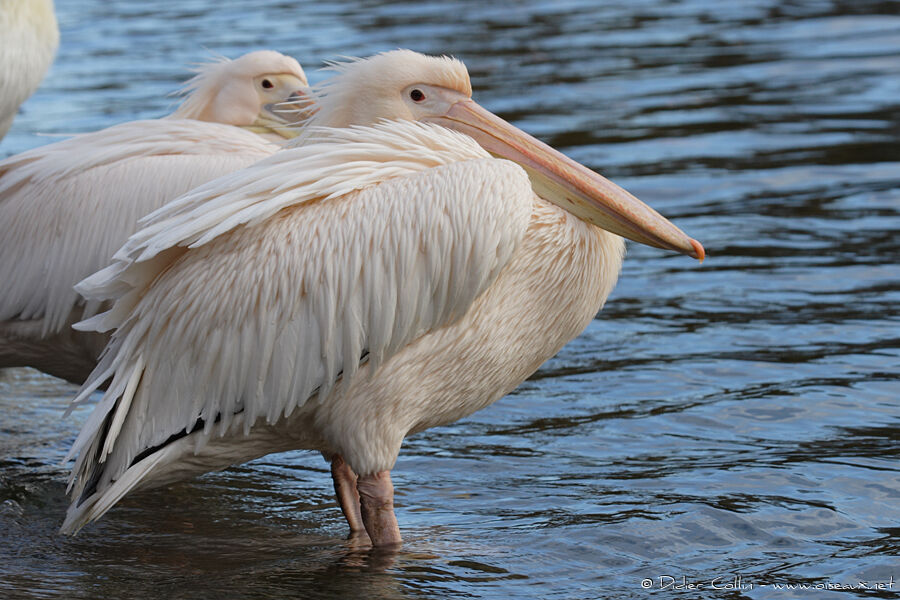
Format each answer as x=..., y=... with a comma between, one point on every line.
x=414, y=260
x=67, y=206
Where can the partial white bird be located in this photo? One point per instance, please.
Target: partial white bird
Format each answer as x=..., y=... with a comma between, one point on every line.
x=344, y=294
x=66, y=207
x=29, y=37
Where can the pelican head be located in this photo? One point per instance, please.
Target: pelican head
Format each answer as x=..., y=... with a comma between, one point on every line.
x=244, y=92
x=406, y=85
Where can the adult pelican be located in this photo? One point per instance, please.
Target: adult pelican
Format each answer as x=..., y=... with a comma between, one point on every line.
x=29, y=37
x=346, y=293
x=66, y=207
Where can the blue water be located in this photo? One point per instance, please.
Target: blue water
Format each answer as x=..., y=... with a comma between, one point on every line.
x=730, y=424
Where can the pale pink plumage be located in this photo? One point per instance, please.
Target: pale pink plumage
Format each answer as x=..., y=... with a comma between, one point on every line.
x=341, y=295
x=67, y=206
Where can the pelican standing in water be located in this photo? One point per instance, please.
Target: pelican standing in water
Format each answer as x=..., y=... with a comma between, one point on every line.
x=29, y=37
x=66, y=207
x=375, y=281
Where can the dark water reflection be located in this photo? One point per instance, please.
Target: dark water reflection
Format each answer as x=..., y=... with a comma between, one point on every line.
x=735, y=419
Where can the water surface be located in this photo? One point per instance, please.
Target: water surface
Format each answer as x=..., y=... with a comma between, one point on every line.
x=737, y=419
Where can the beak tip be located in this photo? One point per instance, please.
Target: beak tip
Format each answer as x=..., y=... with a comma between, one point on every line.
x=699, y=252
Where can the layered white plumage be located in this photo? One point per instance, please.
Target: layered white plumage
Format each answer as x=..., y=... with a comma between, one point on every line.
x=66, y=207
x=343, y=294
x=299, y=268
x=29, y=37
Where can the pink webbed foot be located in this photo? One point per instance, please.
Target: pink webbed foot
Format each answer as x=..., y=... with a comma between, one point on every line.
x=345, y=489
x=376, y=497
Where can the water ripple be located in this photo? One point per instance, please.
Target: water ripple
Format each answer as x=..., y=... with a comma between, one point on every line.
x=738, y=419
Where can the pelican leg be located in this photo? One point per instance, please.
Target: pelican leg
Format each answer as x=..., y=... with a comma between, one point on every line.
x=376, y=496
x=345, y=489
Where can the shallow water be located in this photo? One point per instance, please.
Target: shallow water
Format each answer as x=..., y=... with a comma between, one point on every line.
x=730, y=424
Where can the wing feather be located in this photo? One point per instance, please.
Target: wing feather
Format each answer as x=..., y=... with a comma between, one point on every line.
x=52, y=198
x=254, y=320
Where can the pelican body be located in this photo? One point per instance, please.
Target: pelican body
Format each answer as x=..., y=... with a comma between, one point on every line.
x=29, y=37
x=66, y=207
x=381, y=278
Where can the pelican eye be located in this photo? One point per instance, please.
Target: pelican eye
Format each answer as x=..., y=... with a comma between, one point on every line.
x=268, y=85
x=417, y=95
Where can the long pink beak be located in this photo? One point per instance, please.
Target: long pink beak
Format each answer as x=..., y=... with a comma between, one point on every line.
x=559, y=179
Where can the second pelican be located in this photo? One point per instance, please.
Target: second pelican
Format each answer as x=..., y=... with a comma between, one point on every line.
x=67, y=206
